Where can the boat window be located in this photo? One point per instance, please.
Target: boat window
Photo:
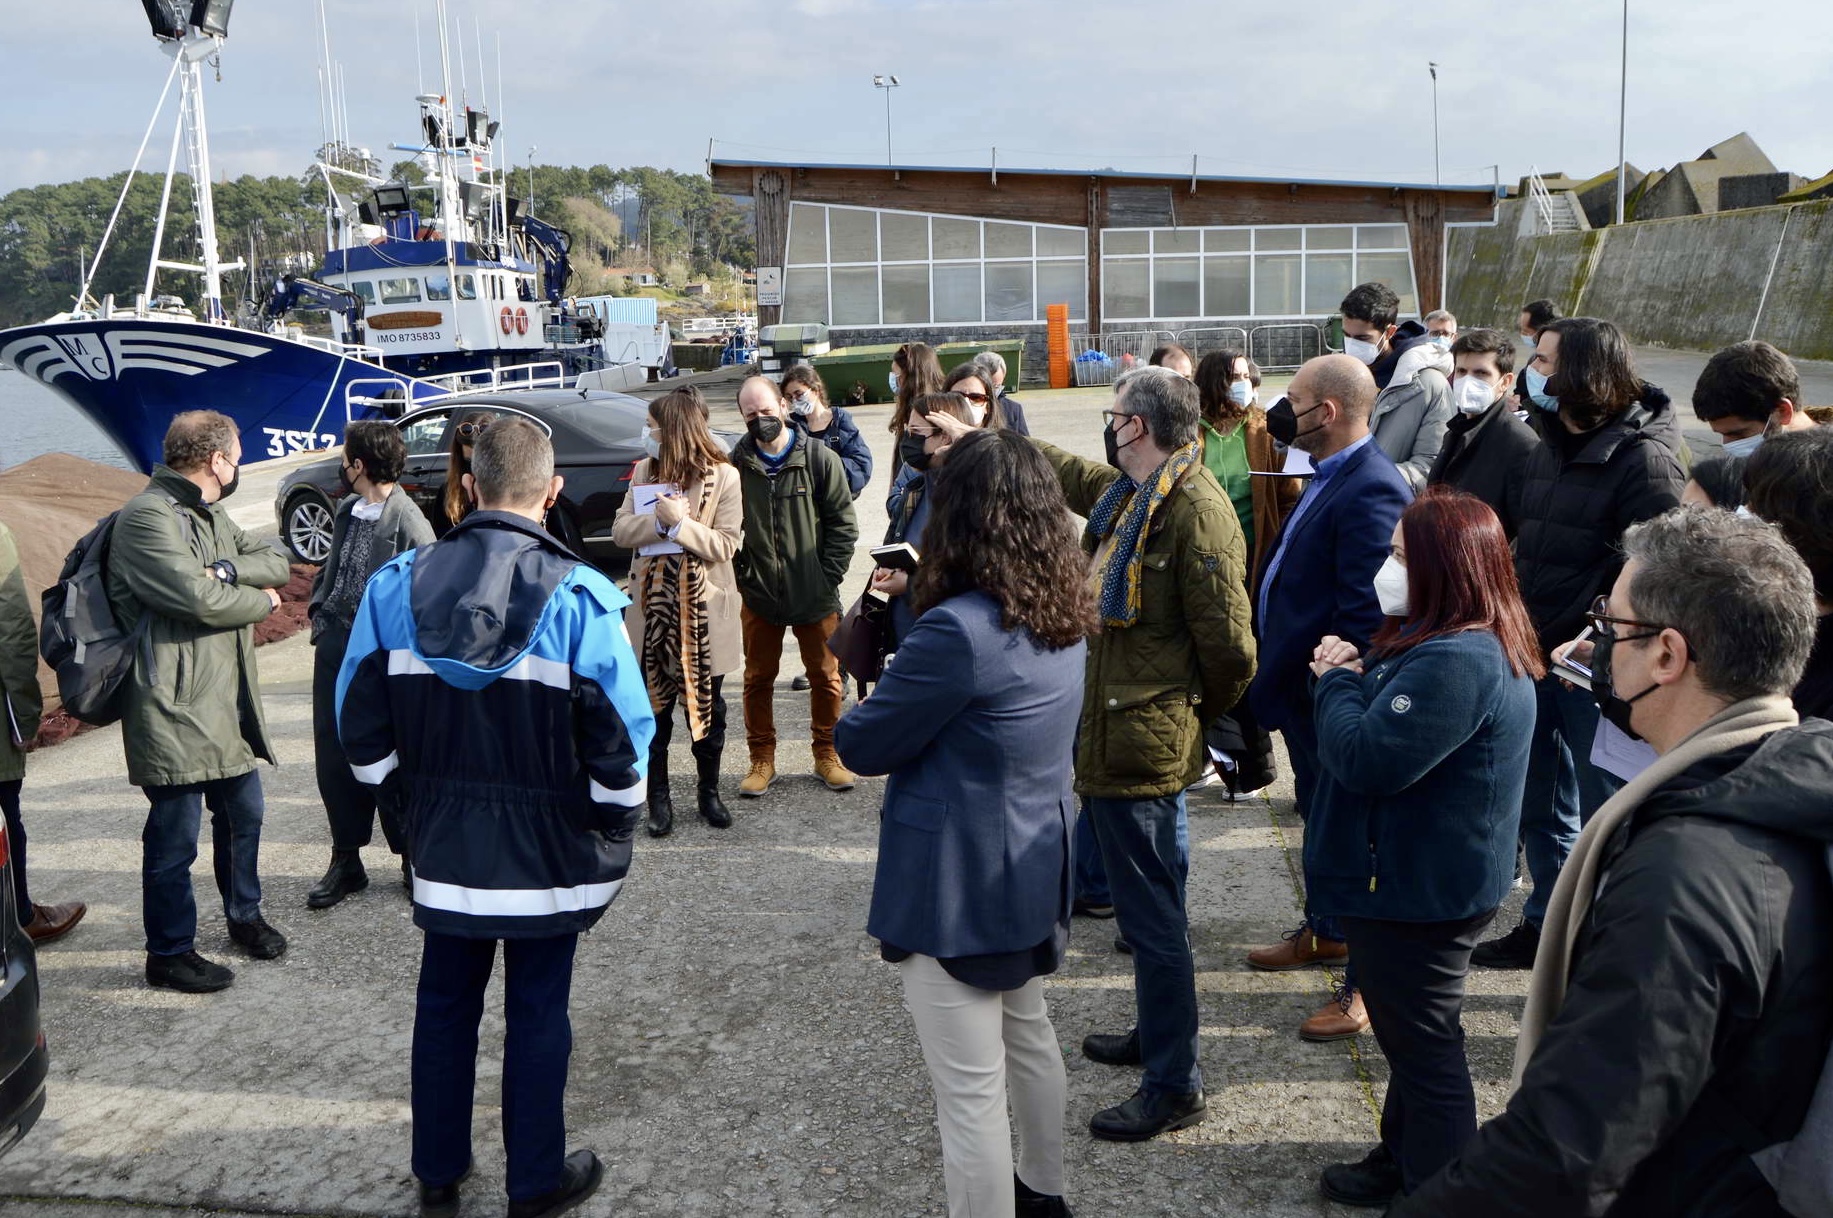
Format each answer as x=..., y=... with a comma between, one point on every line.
x=438, y=287
x=405, y=290
x=467, y=288
x=365, y=289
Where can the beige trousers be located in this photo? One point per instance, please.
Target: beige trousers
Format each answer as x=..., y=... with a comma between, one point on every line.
x=977, y=1044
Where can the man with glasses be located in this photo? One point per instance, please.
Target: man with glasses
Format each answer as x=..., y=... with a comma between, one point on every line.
x=1682, y=1000
x=193, y=726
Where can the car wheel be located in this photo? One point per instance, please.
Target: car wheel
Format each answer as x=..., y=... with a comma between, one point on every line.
x=306, y=527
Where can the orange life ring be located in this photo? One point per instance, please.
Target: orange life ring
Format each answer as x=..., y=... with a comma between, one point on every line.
x=506, y=319
x=521, y=321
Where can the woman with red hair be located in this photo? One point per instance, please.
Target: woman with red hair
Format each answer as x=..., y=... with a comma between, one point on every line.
x=1411, y=838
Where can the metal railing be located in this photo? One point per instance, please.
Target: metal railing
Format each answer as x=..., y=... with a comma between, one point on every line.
x=548, y=374
x=1099, y=359
x=1285, y=346
x=331, y=345
x=1541, y=198
x=1203, y=340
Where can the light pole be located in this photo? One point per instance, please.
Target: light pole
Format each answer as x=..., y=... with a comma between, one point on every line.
x=887, y=83
x=1622, y=113
x=1436, y=179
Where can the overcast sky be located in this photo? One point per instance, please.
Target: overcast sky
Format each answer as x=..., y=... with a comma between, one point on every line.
x=1273, y=89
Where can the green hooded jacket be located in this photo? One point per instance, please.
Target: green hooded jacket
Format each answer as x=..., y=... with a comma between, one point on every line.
x=1153, y=686
x=196, y=715
x=799, y=532
x=18, y=663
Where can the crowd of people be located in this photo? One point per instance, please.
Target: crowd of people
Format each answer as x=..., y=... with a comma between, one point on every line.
x=1505, y=624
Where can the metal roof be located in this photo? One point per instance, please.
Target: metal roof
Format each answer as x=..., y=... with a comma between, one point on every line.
x=1491, y=190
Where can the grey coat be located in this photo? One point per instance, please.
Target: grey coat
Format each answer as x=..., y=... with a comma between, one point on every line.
x=1410, y=414
x=402, y=527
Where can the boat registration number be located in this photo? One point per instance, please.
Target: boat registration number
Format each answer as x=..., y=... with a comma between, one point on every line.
x=281, y=442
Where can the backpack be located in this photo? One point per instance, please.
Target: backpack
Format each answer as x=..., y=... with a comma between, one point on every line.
x=79, y=637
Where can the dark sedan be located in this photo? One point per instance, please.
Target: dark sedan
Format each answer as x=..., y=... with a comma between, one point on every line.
x=22, y=1039
x=598, y=438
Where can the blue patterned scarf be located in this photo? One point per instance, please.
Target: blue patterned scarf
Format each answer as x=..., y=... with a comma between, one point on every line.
x=1121, y=511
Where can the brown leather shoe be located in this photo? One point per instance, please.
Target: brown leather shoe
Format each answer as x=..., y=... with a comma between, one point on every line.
x=52, y=922
x=1342, y=1017
x=1299, y=949
x=829, y=770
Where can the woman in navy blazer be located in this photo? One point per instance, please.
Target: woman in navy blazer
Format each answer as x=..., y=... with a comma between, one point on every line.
x=1411, y=837
x=975, y=722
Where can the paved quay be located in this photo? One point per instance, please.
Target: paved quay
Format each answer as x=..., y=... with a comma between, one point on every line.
x=739, y=1047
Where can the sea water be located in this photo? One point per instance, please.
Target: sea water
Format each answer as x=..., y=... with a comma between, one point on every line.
x=35, y=421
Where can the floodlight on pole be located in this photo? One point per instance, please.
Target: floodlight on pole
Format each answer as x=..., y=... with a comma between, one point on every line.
x=887, y=83
x=1436, y=179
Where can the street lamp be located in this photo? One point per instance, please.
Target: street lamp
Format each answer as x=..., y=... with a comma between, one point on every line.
x=887, y=83
x=1433, y=68
x=1622, y=112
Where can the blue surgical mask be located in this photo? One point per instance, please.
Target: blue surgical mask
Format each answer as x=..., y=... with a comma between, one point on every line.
x=893, y=380
x=1241, y=393
x=652, y=443
x=1536, y=391
x=1744, y=447
x=1442, y=341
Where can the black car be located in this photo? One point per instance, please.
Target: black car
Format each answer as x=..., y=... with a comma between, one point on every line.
x=598, y=439
x=22, y=1039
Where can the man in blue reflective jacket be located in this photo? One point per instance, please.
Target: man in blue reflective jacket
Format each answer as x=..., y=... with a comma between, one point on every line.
x=490, y=690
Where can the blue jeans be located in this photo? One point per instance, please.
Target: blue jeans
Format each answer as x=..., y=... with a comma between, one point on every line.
x=537, y=1041
x=1563, y=787
x=1091, y=874
x=1139, y=844
x=169, y=847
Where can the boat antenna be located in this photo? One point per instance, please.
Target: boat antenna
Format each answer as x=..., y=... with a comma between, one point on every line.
x=82, y=293
x=419, y=71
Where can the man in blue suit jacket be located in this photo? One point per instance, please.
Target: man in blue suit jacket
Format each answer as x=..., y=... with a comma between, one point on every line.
x=1319, y=579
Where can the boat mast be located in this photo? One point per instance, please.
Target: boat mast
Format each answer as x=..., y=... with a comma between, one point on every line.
x=190, y=52
x=449, y=208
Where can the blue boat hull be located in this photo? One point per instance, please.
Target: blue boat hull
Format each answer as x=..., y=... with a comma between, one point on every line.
x=130, y=376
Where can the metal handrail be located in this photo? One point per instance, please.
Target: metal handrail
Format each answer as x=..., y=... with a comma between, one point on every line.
x=1201, y=340
x=1262, y=355
x=1541, y=198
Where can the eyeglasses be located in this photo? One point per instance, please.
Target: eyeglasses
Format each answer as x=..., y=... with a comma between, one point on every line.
x=979, y=399
x=471, y=429
x=1108, y=417
x=1605, y=625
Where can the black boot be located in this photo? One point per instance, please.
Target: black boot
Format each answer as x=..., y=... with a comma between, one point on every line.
x=661, y=806
x=345, y=876
x=712, y=808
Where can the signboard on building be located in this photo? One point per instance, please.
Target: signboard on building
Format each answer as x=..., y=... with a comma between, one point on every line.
x=769, y=285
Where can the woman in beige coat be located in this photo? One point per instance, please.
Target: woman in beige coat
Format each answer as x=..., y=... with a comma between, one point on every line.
x=686, y=598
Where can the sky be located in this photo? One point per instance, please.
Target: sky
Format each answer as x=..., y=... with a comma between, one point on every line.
x=1334, y=91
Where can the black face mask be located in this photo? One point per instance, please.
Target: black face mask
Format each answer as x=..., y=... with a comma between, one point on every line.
x=1603, y=691
x=1112, y=444
x=910, y=448
x=229, y=486
x=765, y=428
x=1282, y=422
x=344, y=484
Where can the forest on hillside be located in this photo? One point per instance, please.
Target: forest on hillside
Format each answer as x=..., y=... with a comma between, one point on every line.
x=618, y=217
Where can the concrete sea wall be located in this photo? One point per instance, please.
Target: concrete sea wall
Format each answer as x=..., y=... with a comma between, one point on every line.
x=1696, y=282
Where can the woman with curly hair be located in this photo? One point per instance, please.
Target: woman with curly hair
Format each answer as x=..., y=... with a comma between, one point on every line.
x=974, y=720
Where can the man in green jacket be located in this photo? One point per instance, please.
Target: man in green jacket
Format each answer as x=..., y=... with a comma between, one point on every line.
x=1174, y=651
x=799, y=535
x=24, y=704
x=193, y=727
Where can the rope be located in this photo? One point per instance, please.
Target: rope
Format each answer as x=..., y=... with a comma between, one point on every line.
x=89, y=276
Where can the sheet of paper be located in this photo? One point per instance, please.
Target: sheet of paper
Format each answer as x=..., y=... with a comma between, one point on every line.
x=643, y=503
x=1298, y=465
x=1614, y=752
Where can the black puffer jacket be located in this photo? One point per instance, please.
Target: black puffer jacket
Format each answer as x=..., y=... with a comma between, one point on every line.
x=1575, y=497
x=1698, y=1013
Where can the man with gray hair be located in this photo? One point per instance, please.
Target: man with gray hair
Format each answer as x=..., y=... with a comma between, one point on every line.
x=992, y=366
x=490, y=691
x=1441, y=328
x=1174, y=651
x=1679, y=1013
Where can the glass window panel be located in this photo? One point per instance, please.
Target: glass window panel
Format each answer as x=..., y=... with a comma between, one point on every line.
x=1322, y=237
x=1276, y=285
x=367, y=290
x=1008, y=240
x=852, y=234
x=956, y=238
x=1278, y=238
x=1126, y=241
x=1126, y=288
x=1220, y=239
x=1226, y=283
x=1395, y=270
x=426, y=434
x=399, y=291
x=1176, y=287
x=1381, y=237
x=807, y=234
x=438, y=287
x=905, y=238
x=957, y=291
x=1070, y=241
x=1177, y=241
x=1008, y=291
x=855, y=296
x=906, y=292
x=1063, y=283
x=467, y=287
x=1328, y=278
x=805, y=294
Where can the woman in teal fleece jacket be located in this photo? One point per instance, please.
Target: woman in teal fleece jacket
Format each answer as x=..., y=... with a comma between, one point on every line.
x=1411, y=837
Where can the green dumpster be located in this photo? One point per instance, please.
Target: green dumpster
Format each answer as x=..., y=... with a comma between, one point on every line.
x=861, y=376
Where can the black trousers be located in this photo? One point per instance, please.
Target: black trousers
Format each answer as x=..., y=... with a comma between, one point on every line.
x=706, y=749
x=1411, y=976
x=349, y=805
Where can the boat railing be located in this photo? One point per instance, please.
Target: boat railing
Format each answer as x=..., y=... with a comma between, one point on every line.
x=392, y=395
x=350, y=350
x=549, y=374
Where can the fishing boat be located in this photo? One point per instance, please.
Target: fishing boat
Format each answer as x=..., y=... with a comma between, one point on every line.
x=431, y=288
